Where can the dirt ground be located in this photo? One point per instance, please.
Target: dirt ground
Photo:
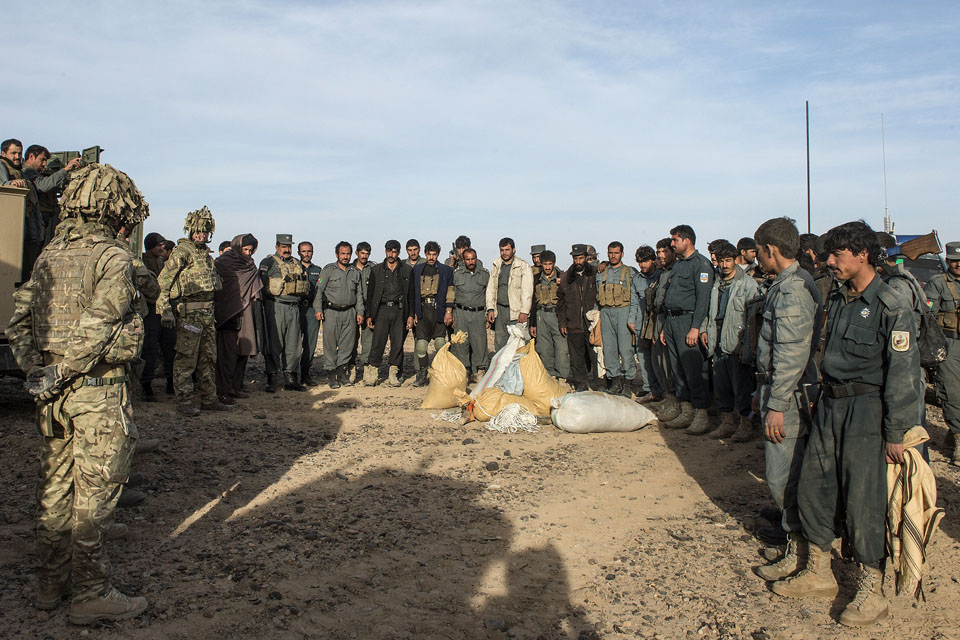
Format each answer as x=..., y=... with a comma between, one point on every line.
x=352, y=513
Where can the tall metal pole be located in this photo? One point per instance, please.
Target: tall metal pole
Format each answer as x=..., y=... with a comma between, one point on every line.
x=807, y=102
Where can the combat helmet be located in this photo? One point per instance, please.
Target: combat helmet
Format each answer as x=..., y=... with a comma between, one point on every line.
x=199, y=220
x=100, y=192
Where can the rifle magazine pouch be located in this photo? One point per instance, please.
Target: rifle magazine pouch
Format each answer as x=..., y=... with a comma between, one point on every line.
x=127, y=343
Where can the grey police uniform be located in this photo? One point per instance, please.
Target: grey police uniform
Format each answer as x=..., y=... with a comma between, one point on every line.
x=339, y=298
x=792, y=314
x=943, y=293
x=469, y=296
x=551, y=345
x=685, y=306
x=282, y=312
x=618, y=295
x=869, y=398
x=309, y=325
x=363, y=342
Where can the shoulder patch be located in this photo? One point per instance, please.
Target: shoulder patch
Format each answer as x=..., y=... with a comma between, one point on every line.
x=704, y=277
x=900, y=340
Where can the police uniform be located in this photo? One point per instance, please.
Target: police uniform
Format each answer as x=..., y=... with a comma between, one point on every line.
x=187, y=284
x=309, y=325
x=339, y=297
x=77, y=358
x=285, y=284
x=551, y=345
x=618, y=295
x=658, y=350
x=535, y=251
x=364, y=340
x=943, y=294
x=469, y=297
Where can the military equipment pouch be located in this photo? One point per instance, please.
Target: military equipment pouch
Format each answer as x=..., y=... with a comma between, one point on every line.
x=194, y=282
x=127, y=343
x=275, y=286
x=292, y=280
x=950, y=320
x=616, y=294
x=429, y=285
x=547, y=293
x=296, y=288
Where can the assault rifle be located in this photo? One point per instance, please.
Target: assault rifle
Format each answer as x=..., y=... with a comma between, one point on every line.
x=921, y=245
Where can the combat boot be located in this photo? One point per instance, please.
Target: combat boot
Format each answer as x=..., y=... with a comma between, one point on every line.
x=170, y=390
x=307, y=380
x=290, y=382
x=421, y=380
x=370, y=376
x=112, y=605
x=649, y=398
x=216, y=405
x=727, y=426
x=49, y=596
x=147, y=394
x=793, y=559
x=669, y=409
x=815, y=579
x=700, y=424
x=868, y=606
x=392, y=379
x=116, y=531
x=343, y=375
x=271, y=383
x=333, y=379
x=147, y=445
x=130, y=497
x=626, y=388
x=955, y=455
x=746, y=431
x=187, y=409
x=683, y=419
x=614, y=385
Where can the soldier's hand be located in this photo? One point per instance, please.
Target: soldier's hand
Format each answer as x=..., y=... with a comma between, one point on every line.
x=533, y=332
x=692, y=337
x=369, y=323
x=360, y=319
x=167, y=320
x=45, y=383
x=894, y=453
x=414, y=322
x=73, y=164
x=563, y=331
x=632, y=327
x=19, y=182
x=448, y=318
x=410, y=323
x=704, y=340
x=318, y=315
x=663, y=339
x=523, y=317
x=773, y=427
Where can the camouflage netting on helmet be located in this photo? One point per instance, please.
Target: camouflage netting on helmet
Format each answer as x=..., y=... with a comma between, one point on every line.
x=199, y=220
x=100, y=192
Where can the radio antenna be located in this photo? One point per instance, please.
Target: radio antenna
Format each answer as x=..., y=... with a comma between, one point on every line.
x=887, y=222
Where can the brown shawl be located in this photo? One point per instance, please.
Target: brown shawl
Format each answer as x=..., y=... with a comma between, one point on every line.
x=241, y=282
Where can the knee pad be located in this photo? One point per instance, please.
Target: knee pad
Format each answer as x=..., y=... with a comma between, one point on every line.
x=421, y=348
x=437, y=344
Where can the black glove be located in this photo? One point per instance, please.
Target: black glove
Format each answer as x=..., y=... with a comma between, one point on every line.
x=45, y=383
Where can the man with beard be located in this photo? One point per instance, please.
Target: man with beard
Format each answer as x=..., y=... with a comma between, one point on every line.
x=389, y=308
x=618, y=294
x=413, y=253
x=469, y=297
x=551, y=344
x=339, y=304
x=285, y=284
x=433, y=307
x=509, y=292
x=669, y=408
x=235, y=310
x=309, y=325
x=576, y=295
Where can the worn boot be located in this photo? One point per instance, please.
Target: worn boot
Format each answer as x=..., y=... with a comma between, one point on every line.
x=815, y=579
x=49, y=596
x=130, y=497
x=170, y=390
x=793, y=559
x=746, y=432
x=683, y=419
x=669, y=409
x=726, y=427
x=392, y=379
x=649, y=398
x=291, y=383
x=955, y=455
x=370, y=375
x=626, y=388
x=146, y=445
x=700, y=424
x=112, y=605
x=215, y=406
x=271, y=383
x=187, y=409
x=868, y=606
x=343, y=375
x=307, y=380
x=333, y=379
x=147, y=394
x=614, y=385
x=421, y=380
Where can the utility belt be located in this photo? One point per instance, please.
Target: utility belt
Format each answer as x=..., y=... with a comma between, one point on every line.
x=673, y=313
x=432, y=300
x=338, y=307
x=100, y=375
x=183, y=307
x=295, y=303
x=550, y=308
x=849, y=389
x=466, y=308
x=390, y=303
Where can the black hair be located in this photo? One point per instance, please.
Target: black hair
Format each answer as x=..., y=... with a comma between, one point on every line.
x=224, y=245
x=644, y=253
x=684, y=231
x=6, y=144
x=249, y=240
x=343, y=243
x=169, y=245
x=363, y=246
x=300, y=244
x=151, y=240
x=391, y=245
x=808, y=242
x=413, y=242
x=431, y=246
x=462, y=242
x=469, y=250
x=616, y=244
x=854, y=236
x=712, y=247
x=723, y=249
x=746, y=244
x=36, y=150
x=507, y=242
x=781, y=233
x=664, y=244
x=548, y=256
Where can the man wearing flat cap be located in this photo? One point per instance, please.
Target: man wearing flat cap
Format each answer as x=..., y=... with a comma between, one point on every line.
x=535, y=253
x=285, y=284
x=943, y=294
x=576, y=295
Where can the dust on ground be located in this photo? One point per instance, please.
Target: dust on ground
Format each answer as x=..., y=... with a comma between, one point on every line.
x=352, y=513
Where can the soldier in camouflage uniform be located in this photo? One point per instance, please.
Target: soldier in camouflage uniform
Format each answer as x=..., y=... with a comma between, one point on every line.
x=285, y=284
x=551, y=345
x=75, y=332
x=187, y=284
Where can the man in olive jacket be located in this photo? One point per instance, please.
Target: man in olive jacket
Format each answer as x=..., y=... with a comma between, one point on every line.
x=576, y=296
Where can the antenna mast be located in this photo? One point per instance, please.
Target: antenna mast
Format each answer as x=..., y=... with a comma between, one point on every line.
x=887, y=222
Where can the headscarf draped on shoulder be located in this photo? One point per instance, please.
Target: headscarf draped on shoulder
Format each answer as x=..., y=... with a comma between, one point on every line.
x=241, y=279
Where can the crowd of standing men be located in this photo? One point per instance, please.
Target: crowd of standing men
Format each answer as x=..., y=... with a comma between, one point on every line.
x=817, y=340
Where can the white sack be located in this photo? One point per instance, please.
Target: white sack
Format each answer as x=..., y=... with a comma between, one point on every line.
x=595, y=412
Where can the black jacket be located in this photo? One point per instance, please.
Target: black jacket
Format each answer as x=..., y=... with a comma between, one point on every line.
x=575, y=296
x=375, y=289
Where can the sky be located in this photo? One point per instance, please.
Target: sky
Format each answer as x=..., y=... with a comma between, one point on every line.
x=546, y=121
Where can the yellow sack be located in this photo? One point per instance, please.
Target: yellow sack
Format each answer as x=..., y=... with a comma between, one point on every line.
x=492, y=401
x=447, y=375
x=539, y=387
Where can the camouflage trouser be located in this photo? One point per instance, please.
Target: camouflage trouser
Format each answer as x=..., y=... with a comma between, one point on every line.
x=82, y=469
x=196, y=356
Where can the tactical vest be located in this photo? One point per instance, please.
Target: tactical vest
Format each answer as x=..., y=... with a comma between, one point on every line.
x=17, y=174
x=615, y=294
x=65, y=280
x=198, y=277
x=546, y=292
x=950, y=320
x=292, y=280
x=429, y=285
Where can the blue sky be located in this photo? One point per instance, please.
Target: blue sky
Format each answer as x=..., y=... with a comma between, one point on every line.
x=547, y=121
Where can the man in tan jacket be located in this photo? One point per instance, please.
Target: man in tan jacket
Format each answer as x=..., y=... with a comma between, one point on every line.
x=509, y=292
